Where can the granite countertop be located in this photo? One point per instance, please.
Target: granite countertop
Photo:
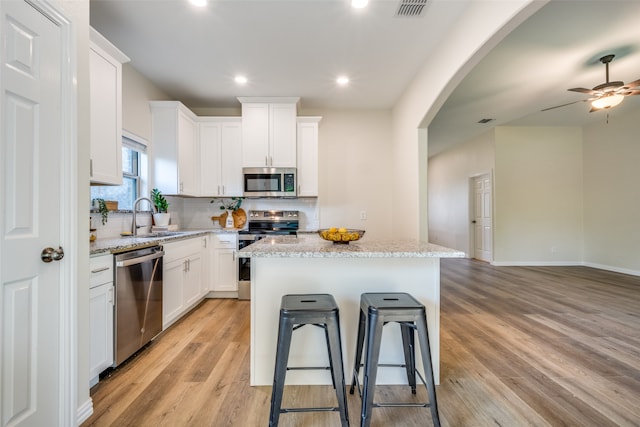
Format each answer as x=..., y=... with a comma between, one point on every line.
x=129, y=243
x=312, y=246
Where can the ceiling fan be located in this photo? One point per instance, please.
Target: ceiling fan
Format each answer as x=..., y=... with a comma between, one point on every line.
x=605, y=95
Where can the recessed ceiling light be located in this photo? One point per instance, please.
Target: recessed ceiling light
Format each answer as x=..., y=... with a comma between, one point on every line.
x=359, y=4
x=342, y=80
x=241, y=80
x=199, y=3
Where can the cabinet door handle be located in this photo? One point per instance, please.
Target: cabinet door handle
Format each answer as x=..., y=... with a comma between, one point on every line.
x=266, y=161
x=218, y=189
x=111, y=299
x=100, y=270
x=234, y=255
x=223, y=190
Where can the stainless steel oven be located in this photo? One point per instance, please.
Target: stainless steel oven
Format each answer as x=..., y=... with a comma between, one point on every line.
x=262, y=224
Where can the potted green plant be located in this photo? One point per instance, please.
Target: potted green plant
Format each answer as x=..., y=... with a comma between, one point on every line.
x=102, y=208
x=161, y=217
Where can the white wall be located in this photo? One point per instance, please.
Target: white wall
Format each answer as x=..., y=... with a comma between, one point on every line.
x=448, y=189
x=355, y=171
x=137, y=91
x=611, y=195
x=78, y=12
x=480, y=27
x=538, y=195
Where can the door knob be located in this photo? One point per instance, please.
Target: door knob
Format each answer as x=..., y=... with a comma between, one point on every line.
x=50, y=254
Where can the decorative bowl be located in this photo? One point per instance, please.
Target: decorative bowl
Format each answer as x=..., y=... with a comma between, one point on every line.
x=340, y=235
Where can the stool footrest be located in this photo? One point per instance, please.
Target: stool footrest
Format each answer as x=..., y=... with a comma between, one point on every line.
x=328, y=409
x=401, y=405
x=309, y=368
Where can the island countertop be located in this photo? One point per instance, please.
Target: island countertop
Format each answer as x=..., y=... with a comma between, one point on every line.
x=312, y=246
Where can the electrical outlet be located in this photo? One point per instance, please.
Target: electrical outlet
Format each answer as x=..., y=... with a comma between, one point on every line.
x=363, y=215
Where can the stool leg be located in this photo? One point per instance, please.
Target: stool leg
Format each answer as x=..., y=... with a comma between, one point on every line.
x=285, y=331
x=359, y=345
x=374, y=337
x=337, y=367
x=423, y=336
x=408, y=345
x=326, y=336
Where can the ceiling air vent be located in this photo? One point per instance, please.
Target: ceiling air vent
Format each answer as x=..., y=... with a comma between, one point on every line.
x=410, y=8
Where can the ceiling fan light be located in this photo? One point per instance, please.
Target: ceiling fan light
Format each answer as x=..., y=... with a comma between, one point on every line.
x=607, y=101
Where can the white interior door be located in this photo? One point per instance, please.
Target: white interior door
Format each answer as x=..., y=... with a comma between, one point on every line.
x=483, y=232
x=31, y=125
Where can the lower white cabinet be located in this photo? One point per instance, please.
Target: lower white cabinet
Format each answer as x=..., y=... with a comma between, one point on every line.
x=101, y=306
x=224, y=261
x=182, y=277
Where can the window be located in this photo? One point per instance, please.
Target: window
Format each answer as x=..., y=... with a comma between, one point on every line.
x=133, y=153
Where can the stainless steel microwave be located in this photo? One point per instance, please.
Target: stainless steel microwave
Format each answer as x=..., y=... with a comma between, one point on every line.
x=269, y=182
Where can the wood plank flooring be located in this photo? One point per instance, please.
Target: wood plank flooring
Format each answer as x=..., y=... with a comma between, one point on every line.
x=521, y=346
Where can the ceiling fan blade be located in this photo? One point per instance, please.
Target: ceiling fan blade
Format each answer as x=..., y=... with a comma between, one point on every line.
x=583, y=90
x=564, y=105
x=628, y=92
x=632, y=84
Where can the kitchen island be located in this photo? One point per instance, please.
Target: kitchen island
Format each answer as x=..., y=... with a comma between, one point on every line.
x=307, y=264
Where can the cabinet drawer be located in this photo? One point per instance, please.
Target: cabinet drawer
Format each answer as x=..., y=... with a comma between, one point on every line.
x=227, y=241
x=183, y=248
x=101, y=270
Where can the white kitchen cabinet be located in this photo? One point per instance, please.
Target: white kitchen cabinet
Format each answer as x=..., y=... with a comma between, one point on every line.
x=182, y=282
x=220, y=156
x=105, y=110
x=268, y=132
x=174, y=138
x=224, y=274
x=101, y=307
x=307, y=153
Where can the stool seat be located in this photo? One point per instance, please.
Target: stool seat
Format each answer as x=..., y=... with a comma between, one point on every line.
x=296, y=311
x=376, y=310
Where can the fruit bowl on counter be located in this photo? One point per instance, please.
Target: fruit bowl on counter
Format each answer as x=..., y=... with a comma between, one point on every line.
x=341, y=235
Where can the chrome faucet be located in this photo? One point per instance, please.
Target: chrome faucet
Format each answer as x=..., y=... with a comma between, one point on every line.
x=134, y=227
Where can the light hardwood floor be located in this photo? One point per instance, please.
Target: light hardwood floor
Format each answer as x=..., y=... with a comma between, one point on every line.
x=520, y=346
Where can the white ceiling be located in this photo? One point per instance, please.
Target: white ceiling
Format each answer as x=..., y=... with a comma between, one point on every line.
x=299, y=47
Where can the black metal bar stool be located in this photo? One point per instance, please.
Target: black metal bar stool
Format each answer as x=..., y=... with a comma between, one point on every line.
x=376, y=310
x=297, y=311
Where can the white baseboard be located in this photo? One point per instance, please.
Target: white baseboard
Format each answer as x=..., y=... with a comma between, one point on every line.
x=535, y=263
x=84, y=411
x=565, y=264
x=614, y=269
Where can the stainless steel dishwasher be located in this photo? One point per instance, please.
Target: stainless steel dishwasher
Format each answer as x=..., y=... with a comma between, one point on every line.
x=138, y=308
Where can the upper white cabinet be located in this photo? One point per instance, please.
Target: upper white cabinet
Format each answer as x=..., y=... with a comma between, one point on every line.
x=268, y=132
x=105, y=79
x=220, y=156
x=175, y=146
x=307, y=148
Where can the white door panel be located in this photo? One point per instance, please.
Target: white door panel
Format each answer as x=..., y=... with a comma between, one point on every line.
x=483, y=233
x=30, y=214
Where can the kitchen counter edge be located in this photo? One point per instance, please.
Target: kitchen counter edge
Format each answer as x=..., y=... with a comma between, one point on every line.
x=123, y=244
x=312, y=246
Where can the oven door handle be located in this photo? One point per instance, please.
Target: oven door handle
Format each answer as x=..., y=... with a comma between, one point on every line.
x=133, y=261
